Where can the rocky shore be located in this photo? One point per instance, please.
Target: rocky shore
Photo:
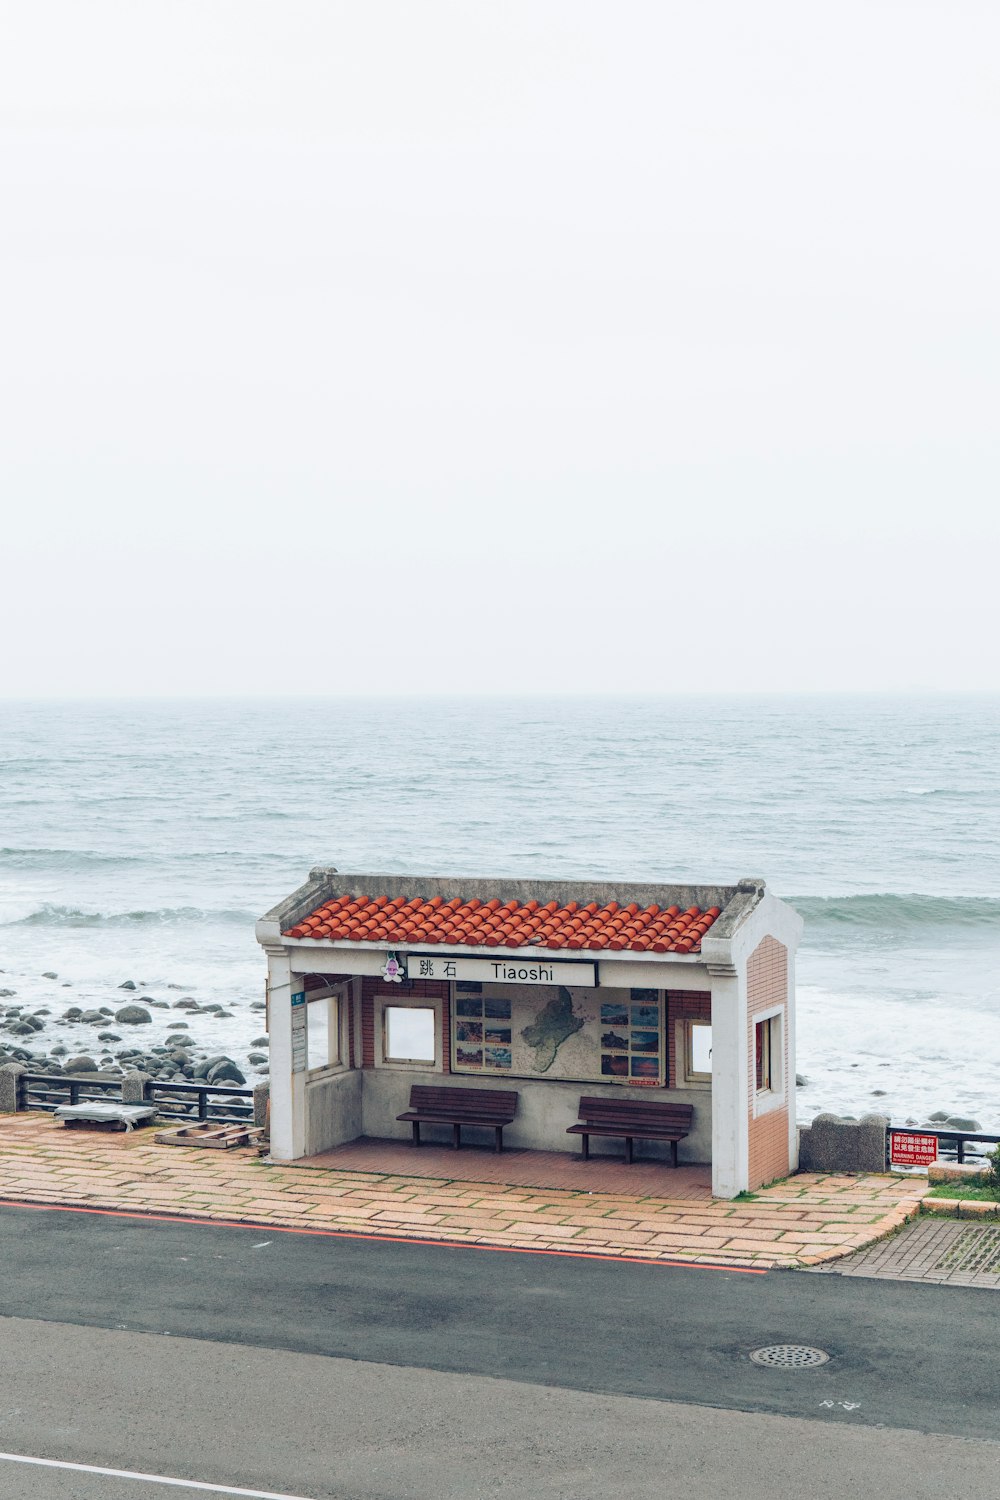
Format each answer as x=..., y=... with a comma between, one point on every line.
x=171, y=1040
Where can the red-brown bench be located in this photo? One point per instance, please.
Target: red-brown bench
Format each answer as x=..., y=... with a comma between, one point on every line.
x=645, y=1119
x=492, y=1108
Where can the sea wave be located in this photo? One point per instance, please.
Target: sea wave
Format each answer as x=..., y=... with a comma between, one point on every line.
x=45, y=859
x=893, y=912
x=49, y=915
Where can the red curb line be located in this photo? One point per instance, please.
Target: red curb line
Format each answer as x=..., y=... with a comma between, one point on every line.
x=346, y=1234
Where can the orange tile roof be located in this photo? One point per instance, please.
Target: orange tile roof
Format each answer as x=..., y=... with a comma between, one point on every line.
x=495, y=924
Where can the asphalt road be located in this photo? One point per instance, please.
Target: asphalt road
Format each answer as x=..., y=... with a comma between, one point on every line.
x=324, y=1366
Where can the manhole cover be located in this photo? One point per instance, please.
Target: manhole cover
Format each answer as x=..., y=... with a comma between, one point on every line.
x=789, y=1357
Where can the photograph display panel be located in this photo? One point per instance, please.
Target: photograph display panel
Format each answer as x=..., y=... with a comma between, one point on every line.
x=632, y=1038
x=482, y=1028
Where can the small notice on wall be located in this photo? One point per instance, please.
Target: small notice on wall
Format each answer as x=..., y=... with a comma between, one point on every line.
x=300, y=1033
x=907, y=1149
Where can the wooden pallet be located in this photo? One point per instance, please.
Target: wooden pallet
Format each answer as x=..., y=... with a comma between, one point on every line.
x=218, y=1137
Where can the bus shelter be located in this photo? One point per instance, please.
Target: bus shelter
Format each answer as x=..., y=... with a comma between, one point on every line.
x=553, y=988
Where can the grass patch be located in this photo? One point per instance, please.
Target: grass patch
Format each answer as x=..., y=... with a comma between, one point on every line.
x=967, y=1189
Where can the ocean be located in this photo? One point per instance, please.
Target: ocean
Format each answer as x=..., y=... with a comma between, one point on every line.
x=140, y=841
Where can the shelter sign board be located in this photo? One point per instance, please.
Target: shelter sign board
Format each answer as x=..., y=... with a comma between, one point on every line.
x=499, y=970
x=300, y=1033
x=907, y=1149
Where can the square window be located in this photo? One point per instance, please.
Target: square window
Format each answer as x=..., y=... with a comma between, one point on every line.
x=409, y=1034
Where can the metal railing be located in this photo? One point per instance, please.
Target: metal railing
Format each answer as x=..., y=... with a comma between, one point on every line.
x=202, y=1101
x=50, y=1090
x=219, y=1103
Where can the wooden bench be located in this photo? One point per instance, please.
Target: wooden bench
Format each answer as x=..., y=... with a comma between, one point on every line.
x=492, y=1108
x=646, y=1119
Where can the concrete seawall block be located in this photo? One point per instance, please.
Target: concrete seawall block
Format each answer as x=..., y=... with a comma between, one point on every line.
x=832, y=1144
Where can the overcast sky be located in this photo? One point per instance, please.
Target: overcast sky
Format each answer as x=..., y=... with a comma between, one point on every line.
x=498, y=347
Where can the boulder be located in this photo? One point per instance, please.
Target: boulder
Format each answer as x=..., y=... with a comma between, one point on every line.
x=257, y=1057
x=20, y=1028
x=128, y=985
x=73, y=1014
x=133, y=1015
x=261, y=1041
x=959, y=1122
x=6, y=994
x=49, y=975
x=224, y=1070
x=108, y=1036
x=81, y=1065
x=202, y=1067
x=92, y=1017
x=188, y=1003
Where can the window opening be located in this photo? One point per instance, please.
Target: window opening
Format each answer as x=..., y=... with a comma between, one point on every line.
x=409, y=1034
x=322, y=1032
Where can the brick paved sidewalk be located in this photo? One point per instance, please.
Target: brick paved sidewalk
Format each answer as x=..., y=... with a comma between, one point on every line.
x=939, y=1251
x=800, y=1222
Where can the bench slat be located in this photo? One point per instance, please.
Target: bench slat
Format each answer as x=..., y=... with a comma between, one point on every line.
x=645, y=1135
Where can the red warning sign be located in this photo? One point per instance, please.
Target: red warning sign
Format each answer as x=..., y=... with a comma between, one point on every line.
x=909, y=1150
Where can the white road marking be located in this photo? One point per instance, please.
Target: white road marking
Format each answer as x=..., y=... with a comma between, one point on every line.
x=261, y=1245
x=191, y=1484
